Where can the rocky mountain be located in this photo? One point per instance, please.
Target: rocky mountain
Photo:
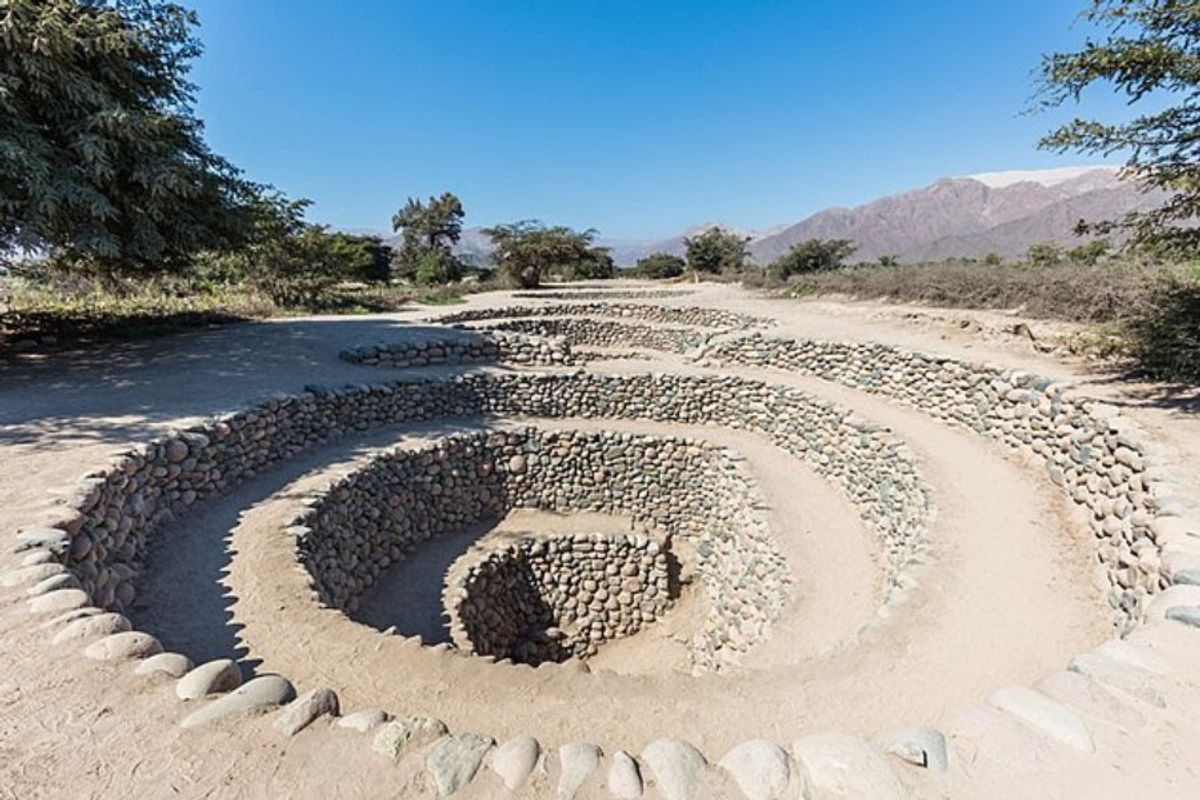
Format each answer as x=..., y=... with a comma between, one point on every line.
x=1000, y=212
x=971, y=216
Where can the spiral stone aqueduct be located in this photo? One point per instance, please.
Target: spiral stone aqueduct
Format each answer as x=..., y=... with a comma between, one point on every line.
x=603, y=542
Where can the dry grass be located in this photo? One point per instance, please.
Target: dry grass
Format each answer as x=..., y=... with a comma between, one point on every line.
x=1146, y=316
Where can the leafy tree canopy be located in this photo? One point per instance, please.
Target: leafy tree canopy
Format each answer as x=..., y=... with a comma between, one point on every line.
x=101, y=157
x=429, y=231
x=716, y=250
x=292, y=261
x=527, y=250
x=1151, y=48
x=813, y=255
x=660, y=265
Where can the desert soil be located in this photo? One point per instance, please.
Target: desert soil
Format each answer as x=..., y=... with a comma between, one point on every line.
x=1009, y=594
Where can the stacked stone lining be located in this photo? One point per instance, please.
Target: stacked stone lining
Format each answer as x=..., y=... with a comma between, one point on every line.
x=678, y=315
x=589, y=332
x=372, y=518
x=611, y=294
x=106, y=511
x=1096, y=455
x=119, y=507
x=495, y=346
x=552, y=597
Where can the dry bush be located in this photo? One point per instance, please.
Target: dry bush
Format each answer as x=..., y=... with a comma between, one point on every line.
x=1069, y=292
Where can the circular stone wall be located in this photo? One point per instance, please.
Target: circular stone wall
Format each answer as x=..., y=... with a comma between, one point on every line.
x=680, y=315
x=371, y=519
x=583, y=331
x=491, y=347
x=555, y=597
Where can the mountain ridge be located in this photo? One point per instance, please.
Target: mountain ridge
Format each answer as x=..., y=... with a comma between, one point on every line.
x=961, y=216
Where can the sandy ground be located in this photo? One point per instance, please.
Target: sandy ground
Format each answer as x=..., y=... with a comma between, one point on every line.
x=1007, y=598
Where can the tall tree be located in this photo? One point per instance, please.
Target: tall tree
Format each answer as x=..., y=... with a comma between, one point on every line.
x=1149, y=48
x=429, y=232
x=525, y=251
x=101, y=157
x=716, y=250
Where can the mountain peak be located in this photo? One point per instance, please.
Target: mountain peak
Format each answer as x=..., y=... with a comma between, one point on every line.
x=1044, y=177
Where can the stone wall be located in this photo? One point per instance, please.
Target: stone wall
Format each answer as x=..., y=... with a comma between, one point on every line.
x=547, y=597
x=1089, y=449
x=681, y=315
x=369, y=520
x=588, y=332
x=609, y=294
x=491, y=347
x=121, y=506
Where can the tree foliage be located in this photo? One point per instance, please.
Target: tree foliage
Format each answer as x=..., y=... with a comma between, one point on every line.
x=101, y=157
x=660, y=265
x=1044, y=254
x=715, y=251
x=294, y=262
x=1150, y=48
x=527, y=250
x=429, y=232
x=813, y=255
x=597, y=264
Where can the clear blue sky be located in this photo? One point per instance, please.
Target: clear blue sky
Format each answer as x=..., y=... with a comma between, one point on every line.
x=636, y=117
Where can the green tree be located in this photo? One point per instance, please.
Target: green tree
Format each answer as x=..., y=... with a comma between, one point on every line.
x=365, y=258
x=525, y=251
x=293, y=262
x=660, y=265
x=597, y=264
x=813, y=255
x=993, y=259
x=1089, y=254
x=103, y=159
x=429, y=232
x=1044, y=254
x=1151, y=48
x=715, y=251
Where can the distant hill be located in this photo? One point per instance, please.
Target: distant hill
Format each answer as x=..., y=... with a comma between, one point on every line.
x=1000, y=212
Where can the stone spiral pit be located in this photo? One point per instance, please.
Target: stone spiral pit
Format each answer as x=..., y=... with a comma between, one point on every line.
x=556, y=597
x=680, y=488
x=521, y=600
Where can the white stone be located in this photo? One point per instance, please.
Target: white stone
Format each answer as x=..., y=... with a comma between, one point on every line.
x=213, y=677
x=624, y=777
x=301, y=712
x=121, y=646
x=1050, y=717
x=455, y=760
x=58, y=601
x=577, y=761
x=924, y=747
x=263, y=692
x=676, y=767
x=760, y=769
x=836, y=766
x=363, y=721
x=95, y=625
x=515, y=760
x=174, y=665
x=394, y=737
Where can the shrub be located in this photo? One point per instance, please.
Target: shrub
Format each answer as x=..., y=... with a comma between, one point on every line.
x=660, y=266
x=816, y=255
